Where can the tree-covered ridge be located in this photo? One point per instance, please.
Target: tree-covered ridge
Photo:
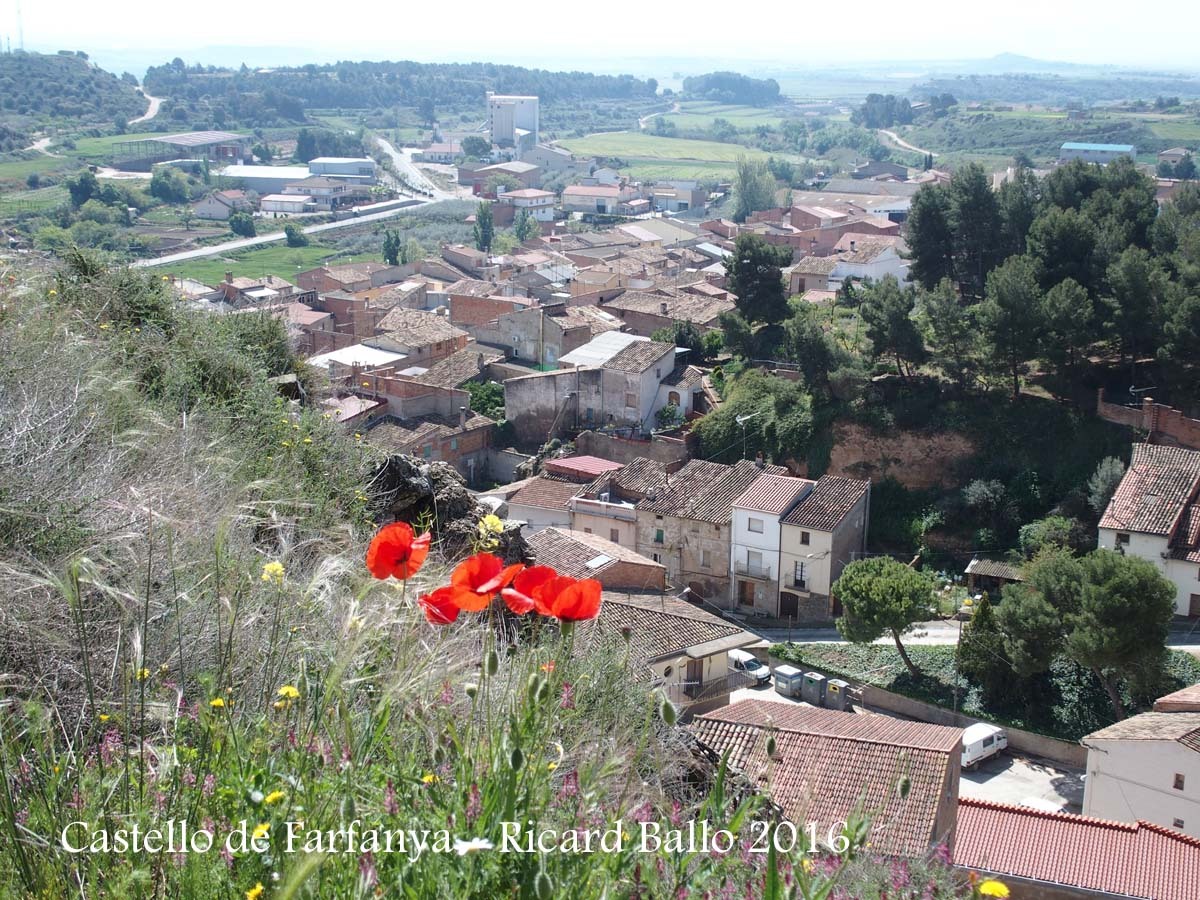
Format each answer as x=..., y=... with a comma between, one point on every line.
x=65, y=85
x=363, y=85
x=1046, y=88
x=732, y=87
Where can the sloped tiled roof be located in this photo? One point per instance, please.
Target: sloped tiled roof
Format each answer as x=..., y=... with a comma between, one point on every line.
x=831, y=498
x=593, y=318
x=1113, y=859
x=772, y=493
x=635, y=480
x=1157, y=486
x=716, y=504
x=472, y=287
x=547, y=492
x=831, y=764
x=582, y=555
x=680, y=307
x=639, y=356
x=415, y=327
x=406, y=435
x=705, y=491
x=580, y=466
x=661, y=626
x=687, y=377
x=1184, y=700
x=1183, y=727
x=459, y=368
x=994, y=568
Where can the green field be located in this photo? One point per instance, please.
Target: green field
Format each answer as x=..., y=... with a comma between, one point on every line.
x=695, y=114
x=32, y=201
x=648, y=156
x=273, y=259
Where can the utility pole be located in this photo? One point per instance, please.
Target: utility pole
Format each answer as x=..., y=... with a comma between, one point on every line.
x=742, y=420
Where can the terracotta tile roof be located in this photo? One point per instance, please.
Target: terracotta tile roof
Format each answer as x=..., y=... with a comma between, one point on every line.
x=471, y=287
x=866, y=246
x=687, y=377
x=661, y=626
x=1115, y=859
x=579, y=190
x=772, y=493
x=408, y=435
x=416, y=328
x=547, y=492
x=1185, y=700
x=1183, y=727
x=1186, y=543
x=583, y=555
x=459, y=368
x=585, y=467
x=815, y=265
x=830, y=500
x=680, y=307
x=705, y=491
x=1157, y=486
x=593, y=318
x=637, y=357
x=631, y=482
x=830, y=764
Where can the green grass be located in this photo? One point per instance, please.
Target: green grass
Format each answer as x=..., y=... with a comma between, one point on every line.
x=20, y=169
x=273, y=259
x=648, y=156
x=700, y=114
x=32, y=201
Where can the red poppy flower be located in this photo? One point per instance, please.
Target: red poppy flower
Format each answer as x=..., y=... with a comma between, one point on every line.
x=478, y=578
x=520, y=597
x=394, y=552
x=439, y=607
x=568, y=599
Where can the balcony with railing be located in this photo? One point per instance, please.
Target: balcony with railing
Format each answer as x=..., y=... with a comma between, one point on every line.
x=753, y=570
x=685, y=693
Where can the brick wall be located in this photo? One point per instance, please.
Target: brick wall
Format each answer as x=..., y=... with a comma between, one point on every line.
x=1163, y=424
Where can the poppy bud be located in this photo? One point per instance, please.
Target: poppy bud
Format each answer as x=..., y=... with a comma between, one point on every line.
x=543, y=887
x=667, y=711
x=491, y=663
x=771, y=746
x=348, y=809
x=543, y=694
x=472, y=690
x=516, y=759
x=533, y=687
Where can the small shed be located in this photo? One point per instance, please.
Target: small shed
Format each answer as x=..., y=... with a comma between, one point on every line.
x=991, y=574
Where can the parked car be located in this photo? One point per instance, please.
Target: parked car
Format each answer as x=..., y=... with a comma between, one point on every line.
x=743, y=661
x=980, y=742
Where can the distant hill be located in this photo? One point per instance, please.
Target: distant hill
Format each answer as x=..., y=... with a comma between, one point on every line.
x=732, y=87
x=39, y=87
x=263, y=95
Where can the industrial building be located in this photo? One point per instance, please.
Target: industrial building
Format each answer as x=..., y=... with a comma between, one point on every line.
x=214, y=146
x=1095, y=153
x=351, y=168
x=513, y=120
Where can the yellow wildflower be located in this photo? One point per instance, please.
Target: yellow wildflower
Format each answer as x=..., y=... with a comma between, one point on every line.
x=288, y=692
x=261, y=830
x=273, y=571
x=104, y=717
x=165, y=278
x=53, y=292
x=366, y=384
x=281, y=704
x=285, y=443
x=357, y=436
x=273, y=797
x=217, y=702
x=143, y=674
x=308, y=440
x=551, y=766
x=993, y=888
x=429, y=778
x=104, y=326
x=255, y=892
x=807, y=866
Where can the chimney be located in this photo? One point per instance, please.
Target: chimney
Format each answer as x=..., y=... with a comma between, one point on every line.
x=852, y=243
x=759, y=461
x=662, y=307
x=229, y=278
x=462, y=417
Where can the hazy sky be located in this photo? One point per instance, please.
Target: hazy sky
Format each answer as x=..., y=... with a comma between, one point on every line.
x=866, y=31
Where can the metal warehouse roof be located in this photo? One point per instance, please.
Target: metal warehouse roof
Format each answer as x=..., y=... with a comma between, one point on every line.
x=1111, y=148
x=199, y=138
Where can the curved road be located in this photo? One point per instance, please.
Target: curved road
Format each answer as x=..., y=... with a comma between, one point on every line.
x=155, y=103
x=905, y=145
x=405, y=166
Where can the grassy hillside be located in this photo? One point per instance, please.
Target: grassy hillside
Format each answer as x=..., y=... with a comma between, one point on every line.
x=42, y=88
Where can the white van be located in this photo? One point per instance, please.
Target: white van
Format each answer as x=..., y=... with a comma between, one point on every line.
x=744, y=661
x=981, y=741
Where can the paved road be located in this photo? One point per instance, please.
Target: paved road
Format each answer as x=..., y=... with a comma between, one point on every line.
x=155, y=103
x=901, y=142
x=406, y=167
x=243, y=243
